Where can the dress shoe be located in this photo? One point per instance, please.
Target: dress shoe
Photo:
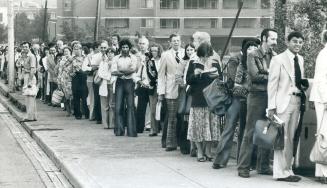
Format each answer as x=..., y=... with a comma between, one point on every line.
x=99, y=122
x=266, y=172
x=290, y=179
x=218, y=166
x=28, y=120
x=244, y=174
x=171, y=149
x=153, y=134
x=323, y=180
x=78, y=117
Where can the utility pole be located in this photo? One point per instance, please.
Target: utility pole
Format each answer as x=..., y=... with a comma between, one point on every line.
x=11, y=45
x=97, y=22
x=45, y=20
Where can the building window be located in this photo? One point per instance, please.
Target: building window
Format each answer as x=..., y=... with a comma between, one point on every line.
x=147, y=23
x=190, y=23
x=117, y=23
x=120, y=4
x=233, y=4
x=241, y=23
x=169, y=4
x=146, y=3
x=250, y=4
x=265, y=22
x=200, y=4
x=169, y=23
x=265, y=4
x=67, y=5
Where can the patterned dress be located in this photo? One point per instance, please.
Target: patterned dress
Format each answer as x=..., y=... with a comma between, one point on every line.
x=64, y=79
x=203, y=125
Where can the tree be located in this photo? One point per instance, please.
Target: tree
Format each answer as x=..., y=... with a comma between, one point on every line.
x=309, y=17
x=22, y=28
x=280, y=23
x=3, y=33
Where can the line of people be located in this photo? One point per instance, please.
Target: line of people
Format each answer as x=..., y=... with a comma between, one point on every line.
x=121, y=86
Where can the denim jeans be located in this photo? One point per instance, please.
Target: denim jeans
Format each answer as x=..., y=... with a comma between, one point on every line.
x=226, y=143
x=256, y=110
x=125, y=99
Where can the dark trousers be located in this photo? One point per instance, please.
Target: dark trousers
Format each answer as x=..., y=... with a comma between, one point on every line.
x=125, y=100
x=182, y=127
x=226, y=143
x=80, y=93
x=97, y=103
x=142, y=102
x=256, y=110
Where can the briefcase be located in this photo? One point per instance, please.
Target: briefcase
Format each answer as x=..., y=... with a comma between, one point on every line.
x=268, y=134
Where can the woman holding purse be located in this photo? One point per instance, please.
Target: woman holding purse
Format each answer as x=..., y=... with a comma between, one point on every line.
x=319, y=96
x=203, y=125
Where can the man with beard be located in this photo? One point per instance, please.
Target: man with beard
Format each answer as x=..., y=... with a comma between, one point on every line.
x=258, y=63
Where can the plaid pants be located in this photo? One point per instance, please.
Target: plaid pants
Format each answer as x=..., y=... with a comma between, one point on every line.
x=172, y=106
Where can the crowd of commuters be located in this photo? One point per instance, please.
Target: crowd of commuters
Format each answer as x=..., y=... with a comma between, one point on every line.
x=125, y=87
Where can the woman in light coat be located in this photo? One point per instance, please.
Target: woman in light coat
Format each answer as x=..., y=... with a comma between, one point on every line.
x=319, y=96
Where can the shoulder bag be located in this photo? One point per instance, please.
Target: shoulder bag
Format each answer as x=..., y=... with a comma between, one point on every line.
x=319, y=151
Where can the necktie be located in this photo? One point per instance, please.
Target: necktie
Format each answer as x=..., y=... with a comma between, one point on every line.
x=177, y=58
x=297, y=72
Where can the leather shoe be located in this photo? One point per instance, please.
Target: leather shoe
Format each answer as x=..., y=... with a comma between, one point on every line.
x=171, y=149
x=153, y=134
x=290, y=179
x=244, y=174
x=217, y=166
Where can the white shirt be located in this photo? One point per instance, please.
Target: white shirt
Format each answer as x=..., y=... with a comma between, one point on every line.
x=121, y=63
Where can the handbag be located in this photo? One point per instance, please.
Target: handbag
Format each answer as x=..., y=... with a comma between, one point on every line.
x=217, y=97
x=318, y=153
x=269, y=134
x=57, y=97
x=184, y=102
x=97, y=80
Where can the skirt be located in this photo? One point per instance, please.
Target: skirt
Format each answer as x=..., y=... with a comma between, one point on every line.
x=203, y=125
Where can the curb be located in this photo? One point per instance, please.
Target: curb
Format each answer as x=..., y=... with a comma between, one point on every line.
x=68, y=170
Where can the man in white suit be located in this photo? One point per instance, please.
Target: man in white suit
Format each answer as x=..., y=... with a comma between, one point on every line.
x=168, y=84
x=284, y=100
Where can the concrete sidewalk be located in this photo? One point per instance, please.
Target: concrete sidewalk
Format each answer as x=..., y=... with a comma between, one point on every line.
x=90, y=156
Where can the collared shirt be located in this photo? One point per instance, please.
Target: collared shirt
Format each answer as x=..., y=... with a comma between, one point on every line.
x=121, y=63
x=29, y=63
x=91, y=60
x=291, y=57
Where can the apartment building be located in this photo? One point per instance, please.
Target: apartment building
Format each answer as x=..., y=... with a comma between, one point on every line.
x=160, y=18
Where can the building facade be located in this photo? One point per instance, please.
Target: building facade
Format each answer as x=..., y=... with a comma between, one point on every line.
x=160, y=18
